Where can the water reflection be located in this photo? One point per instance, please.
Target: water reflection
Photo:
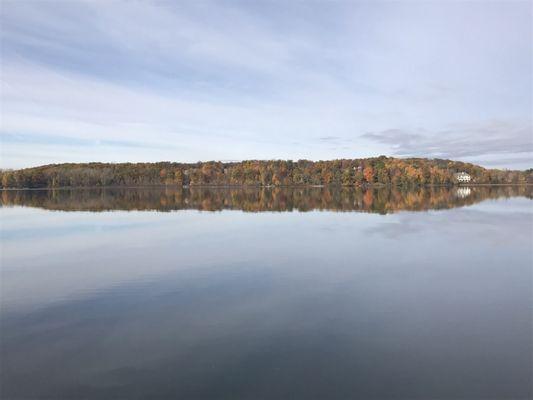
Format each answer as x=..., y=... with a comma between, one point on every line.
x=463, y=192
x=244, y=305
x=377, y=200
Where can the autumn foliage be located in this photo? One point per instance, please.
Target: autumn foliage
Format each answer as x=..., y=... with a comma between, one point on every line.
x=354, y=172
x=383, y=200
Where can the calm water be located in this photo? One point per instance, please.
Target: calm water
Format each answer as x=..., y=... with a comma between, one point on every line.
x=267, y=294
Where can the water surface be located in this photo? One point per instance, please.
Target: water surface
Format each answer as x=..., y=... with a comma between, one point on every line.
x=267, y=293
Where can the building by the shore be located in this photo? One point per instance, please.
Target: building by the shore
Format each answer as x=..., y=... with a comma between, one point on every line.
x=462, y=177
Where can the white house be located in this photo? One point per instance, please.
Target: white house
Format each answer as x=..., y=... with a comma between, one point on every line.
x=462, y=177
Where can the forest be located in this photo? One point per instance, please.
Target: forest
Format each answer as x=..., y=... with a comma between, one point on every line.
x=345, y=172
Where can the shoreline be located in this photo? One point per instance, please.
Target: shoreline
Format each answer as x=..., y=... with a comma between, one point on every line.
x=366, y=187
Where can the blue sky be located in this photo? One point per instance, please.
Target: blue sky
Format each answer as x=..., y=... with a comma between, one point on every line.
x=230, y=80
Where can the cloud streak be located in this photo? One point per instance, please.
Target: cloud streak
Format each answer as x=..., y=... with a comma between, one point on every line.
x=461, y=141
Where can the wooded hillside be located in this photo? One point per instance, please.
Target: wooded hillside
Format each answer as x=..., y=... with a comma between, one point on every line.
x=356, y=172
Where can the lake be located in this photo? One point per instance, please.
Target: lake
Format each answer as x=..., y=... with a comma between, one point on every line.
x=273, y=293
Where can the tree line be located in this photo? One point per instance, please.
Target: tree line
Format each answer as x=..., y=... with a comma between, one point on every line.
x=346, y=172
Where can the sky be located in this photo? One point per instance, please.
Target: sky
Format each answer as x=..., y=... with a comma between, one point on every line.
x=188, y=81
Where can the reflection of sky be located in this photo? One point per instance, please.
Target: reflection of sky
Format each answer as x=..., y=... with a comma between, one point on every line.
x=111, y=248
x=200, y=303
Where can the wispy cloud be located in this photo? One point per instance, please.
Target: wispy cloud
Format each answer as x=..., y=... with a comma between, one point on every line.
x=52, y=140
x=494, y=137
x=329, y=138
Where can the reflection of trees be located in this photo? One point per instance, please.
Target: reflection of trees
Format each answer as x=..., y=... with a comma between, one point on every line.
x=376, y=200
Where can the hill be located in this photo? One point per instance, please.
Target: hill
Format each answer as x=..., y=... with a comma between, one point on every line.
x=345, y=172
